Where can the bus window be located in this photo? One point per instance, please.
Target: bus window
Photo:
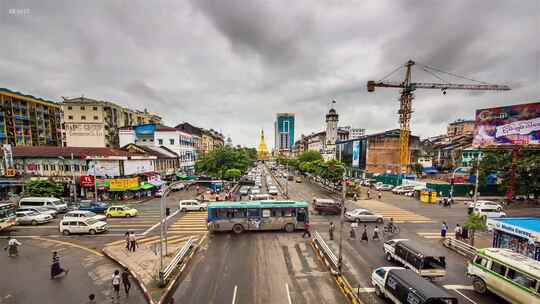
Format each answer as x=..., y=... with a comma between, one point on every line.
x=266, y=213
x=498, y=268
x=481, y=261
x=521, y=279
x=253, y=212
x=288, y=212
x=239, y=213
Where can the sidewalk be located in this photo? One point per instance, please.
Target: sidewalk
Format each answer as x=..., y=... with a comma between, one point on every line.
x=144, y=263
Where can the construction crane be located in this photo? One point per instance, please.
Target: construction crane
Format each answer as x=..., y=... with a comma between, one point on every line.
x=405, y=107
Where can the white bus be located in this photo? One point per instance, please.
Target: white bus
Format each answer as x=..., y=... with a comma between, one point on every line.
x=7, y=216
x=511, y=276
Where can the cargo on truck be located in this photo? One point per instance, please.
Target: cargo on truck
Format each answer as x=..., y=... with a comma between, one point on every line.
x=423, y=261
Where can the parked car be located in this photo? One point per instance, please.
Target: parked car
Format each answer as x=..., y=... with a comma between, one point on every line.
x=298, y=179
x=191, y=205
x=121, y=211
x=363, y=215
x=32, y=218
x=83, y=214
x=43, y=210
x=273, y=190
x=326, y=206
x=91, y=226
x=48, y=202
x=96, y=207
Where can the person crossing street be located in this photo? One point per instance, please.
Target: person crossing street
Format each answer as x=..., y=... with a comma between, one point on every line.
x=331, y=229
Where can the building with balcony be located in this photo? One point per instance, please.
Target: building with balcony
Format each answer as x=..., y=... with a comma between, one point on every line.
x=26, y=120
x=95, y=123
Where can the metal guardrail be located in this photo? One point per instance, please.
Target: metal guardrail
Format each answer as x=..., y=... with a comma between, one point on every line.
x=326, y=251
x=177, y=260
x=460, y=246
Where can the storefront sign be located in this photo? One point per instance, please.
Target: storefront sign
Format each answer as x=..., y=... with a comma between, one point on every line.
x=495, y=224
x=121, y=184
x=86, y=181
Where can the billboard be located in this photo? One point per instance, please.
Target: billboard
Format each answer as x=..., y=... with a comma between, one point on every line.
x=356, y=154
x=507, y=126
x=122, y=184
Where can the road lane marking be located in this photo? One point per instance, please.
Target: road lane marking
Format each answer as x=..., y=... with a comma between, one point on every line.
x=234, y=294
x=288, y=293
x=71, y=245
x=464, y=287
x=366, y=289
x=464, y=296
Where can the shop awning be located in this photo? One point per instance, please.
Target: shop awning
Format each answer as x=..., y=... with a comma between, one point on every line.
x=134, y=188
x=146, y=186
x=430, y=170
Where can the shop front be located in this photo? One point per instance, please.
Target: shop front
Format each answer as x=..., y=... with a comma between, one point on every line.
x=521, y=235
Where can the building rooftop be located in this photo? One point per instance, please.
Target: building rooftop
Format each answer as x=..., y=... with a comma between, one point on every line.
x=78, y=152
x=5, y=90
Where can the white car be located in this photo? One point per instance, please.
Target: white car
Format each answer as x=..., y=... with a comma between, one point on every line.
x=273, y=190
x=91, y=226
x=83, y=214
x=178, y=187
x=244, y=190
x=255, y=190
x=43, y=210
x=481, y=204
x=489, y=212
x=402, y=189
x=363, y=215
x=32, y=218
x=191, y=205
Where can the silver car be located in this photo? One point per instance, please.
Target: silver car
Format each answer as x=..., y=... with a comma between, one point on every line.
x=32, y=218
x=38, y=209
x=363, y=215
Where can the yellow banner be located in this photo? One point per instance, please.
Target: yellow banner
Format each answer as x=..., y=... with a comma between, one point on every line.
x=120, y=184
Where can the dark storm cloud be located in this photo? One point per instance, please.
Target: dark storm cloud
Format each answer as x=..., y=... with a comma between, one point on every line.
x=231, y=65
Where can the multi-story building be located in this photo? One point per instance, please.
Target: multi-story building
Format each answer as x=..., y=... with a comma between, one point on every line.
x=26, y=120
x=196, y=134
x=284, y=132
x=154, y=135
x=460, y=127
x=382, y=151
x=95, y=123
x=354, y=133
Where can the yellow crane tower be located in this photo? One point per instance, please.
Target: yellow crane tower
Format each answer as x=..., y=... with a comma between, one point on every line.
x=405, y=106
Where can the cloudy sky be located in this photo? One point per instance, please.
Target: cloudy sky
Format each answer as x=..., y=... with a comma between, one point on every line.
x=232, y=64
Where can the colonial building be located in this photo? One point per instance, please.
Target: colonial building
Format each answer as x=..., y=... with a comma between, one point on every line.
x=166, y=162
x=95, y=123
x=26, y=120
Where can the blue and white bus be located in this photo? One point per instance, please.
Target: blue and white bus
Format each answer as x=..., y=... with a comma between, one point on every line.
x=258, y=215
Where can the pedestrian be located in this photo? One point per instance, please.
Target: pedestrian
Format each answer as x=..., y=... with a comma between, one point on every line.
x=355, y=197
x=125, y=281
x=91, y=299
x=126, y=235
x=55, y=266
x=368, y=194
x=444, y=227
x=132, y=241
x=365, y=235
x=354, y=225
x=376, y=233
x=306, y=230
x=457, y=232
x=379, y=194
x=331, y=230
x=471, y=194
x=116, y=283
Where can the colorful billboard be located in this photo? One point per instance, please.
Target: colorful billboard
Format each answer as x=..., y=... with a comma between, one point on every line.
x=356, y=154
x=122, y=184
x=508, y=126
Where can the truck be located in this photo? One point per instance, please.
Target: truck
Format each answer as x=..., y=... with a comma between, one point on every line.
x=418, y=260
x=401, y=285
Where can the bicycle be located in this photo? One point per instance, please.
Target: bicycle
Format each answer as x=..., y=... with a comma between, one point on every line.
x=393, y=229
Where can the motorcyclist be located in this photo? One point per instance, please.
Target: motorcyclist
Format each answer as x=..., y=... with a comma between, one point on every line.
x=390, y=226
x=13, y=246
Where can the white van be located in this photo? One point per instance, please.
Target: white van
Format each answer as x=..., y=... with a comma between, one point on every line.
x=47, y=202
x=260, y=197
x=91, y=226
x=489, y=211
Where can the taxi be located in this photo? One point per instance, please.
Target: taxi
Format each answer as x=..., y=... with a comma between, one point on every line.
x=121, y=211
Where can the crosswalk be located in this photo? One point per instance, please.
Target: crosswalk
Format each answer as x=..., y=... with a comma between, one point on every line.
x=399, y=215
x=192, y=222
x=436, y=235
x=153, y=240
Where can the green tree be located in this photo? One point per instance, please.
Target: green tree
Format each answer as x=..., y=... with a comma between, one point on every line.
x=232, y=174
x=43, y=188
x=217, y=162
x=309, y=156
x=475, y=223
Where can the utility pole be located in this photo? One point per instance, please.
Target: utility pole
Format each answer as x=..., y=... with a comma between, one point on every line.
x=95, y=182
x=343, y=199
x=477, y=178
x=73, y=177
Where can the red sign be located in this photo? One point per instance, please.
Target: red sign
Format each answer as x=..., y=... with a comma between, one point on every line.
x=87, y=181
x=459, y=180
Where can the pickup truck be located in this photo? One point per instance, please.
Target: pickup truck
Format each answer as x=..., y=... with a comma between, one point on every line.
x=96, y=207
x=402, y=285
x=418, y=260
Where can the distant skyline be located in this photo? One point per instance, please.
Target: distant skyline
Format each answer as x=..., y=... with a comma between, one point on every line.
x=232, y=65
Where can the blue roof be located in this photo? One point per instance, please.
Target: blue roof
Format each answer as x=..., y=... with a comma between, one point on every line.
x=529, y=223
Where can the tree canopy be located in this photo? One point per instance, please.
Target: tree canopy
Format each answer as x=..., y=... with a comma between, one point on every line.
x=43, y=188
x=313, y=163
x=217, y=162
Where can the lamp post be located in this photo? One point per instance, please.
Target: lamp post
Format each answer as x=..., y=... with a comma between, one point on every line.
x=477, y=178
x=343, y=199
x=452, y=185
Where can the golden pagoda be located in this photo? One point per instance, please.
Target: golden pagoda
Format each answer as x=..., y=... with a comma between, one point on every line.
x=262, y=150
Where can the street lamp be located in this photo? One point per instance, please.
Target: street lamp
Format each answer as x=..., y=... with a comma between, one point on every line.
x=343, y=199
x=452, y=185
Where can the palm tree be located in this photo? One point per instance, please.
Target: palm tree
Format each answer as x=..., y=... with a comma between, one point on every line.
x=475, y=222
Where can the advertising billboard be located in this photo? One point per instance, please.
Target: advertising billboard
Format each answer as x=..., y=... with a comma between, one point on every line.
x=356, y=154
x=122, y=184
x=508, y=126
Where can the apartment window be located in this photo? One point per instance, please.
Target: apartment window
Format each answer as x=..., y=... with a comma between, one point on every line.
x=83, y=117
x=70, y=117
x=67, y=168
x=83, y=108
x=45, y=167
x=53, y=167
x=95, y=118
x=160, y=142
x=94, y=108
x=171, y=141
x=285, y=126
x=69, y=108
x=76, y=168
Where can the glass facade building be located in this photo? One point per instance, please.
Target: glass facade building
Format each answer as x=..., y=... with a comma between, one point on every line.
x=284, y=132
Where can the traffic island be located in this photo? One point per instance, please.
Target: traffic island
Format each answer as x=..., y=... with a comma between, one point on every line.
x=144, y=264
